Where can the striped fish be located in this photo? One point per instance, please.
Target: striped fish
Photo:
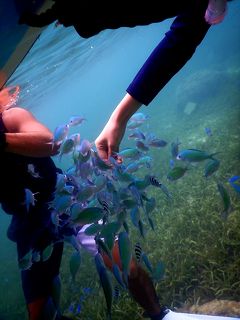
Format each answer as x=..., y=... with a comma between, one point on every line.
x=138, y=251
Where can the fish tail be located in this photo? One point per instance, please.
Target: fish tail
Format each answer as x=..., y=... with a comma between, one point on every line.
x=213, y=154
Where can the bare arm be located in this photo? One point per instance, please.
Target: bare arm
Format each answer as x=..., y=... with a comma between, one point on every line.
x=109, y=139
x=26, y=135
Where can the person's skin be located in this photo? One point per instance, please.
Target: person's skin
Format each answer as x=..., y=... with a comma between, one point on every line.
x=111, y=136
x=26, y=135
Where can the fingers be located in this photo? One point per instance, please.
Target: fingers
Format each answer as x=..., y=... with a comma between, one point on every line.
x=103, y=153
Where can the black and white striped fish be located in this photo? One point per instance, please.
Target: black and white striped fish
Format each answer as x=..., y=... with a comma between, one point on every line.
x=138, y=251
x=154, y=182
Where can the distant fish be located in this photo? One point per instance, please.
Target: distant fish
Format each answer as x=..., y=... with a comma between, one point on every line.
x=174, y=148
x=211, y=167
x=78, y=309
x=208, y=131
x=171, y=163
x=226, y=200
x=235, y=183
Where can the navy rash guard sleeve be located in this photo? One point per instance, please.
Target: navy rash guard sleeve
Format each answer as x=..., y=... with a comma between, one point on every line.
x=177, y=47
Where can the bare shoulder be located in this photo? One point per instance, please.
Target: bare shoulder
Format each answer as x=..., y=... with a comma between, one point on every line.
x=18, y=119
x=16, y=112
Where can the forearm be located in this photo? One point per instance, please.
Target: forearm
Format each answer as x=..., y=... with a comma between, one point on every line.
x=31, y=144
x=171, y=54
x=125, y=109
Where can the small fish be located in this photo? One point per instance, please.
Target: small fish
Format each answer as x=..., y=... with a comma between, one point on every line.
x=31, y=170
x=116, y=292
x=138, y=251
x=142, y=146
x=25, y=262
x=211, y=166
x=171, y=163
x=132, y=167
x=74, y=264
x=55, y=292
x=150, y=205
x=174, y=148
x=76, y=138
x=137, y=134
x=105, y=282
x=130, y=153
x=87, y=215
x=157, y=143
x=36, y=256
x=66, y=147
x=29, y=198
x=61, y=180
x=93, y=229
x=135, y=216
x=60, y=133
x=159, y=272
x=147, y=262
x=194, y=155
x=235, y=183
x=61, y=203
x=225, y=198
x=139, y=117
x=125, y=253
x=75, y=120
x=154, y=182
x=78, y=309
x=47, y=252
x=176, y=173
x=208, y=131
x=118, y=276
x=71, y=308
x=85, y=147
x=133, y=124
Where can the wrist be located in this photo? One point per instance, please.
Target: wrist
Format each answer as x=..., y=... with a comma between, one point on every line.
x=126, y=108
x=3, y=142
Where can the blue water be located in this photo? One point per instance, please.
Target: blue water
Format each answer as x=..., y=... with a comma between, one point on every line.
x=65, y=75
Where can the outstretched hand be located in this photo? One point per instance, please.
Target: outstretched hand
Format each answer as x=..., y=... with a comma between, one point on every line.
x=107, y=143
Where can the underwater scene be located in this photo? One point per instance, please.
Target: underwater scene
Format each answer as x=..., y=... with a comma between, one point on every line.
x=173, y=202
